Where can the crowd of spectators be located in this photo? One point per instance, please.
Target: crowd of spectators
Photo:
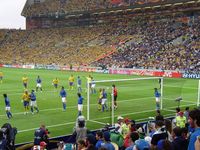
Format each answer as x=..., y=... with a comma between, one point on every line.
x=77, y=46
x=162, y=42
x=160, y=133
x=166, y=44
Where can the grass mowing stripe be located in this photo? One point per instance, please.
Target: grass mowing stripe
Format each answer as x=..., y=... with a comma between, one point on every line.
x=71, y=107
x=181, y=87
x=56, y=125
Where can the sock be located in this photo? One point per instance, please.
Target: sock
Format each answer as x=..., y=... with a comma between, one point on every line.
x=103, y=107
x=64, y=106
x=7, y=113
x=32, y=109
x=10, y=114
x=37, y=109
x=106, y=107
x=79, y=113
x=99, y=106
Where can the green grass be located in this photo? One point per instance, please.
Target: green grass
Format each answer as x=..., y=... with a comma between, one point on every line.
x=136, y=100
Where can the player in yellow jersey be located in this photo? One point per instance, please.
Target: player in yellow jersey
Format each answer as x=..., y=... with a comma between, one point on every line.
x=100, y=99
x=71, y=82
x=26, y=100
x=55, y=82
x=25, y=81
x=1, y=77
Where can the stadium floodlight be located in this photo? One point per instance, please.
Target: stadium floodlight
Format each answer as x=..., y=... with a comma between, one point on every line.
x=145, y=85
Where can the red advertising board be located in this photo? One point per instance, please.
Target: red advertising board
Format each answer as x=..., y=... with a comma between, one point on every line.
x=144, y=72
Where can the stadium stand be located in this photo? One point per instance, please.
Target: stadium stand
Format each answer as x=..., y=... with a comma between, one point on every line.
x=166, y=44
x=54, y=46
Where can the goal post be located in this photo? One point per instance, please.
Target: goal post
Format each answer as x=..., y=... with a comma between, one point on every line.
x=107, y=84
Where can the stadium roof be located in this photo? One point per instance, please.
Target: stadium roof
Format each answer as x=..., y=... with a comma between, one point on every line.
x=37, y=8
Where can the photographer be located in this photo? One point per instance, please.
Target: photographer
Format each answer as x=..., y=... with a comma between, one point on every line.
x=7, y=137
x=2, y=141
x=41, y=135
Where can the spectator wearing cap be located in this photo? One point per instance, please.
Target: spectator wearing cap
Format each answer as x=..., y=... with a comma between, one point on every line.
x=141, y=144
x=133, y=137
x=178, y=143
x=125, y=127
x=80, y=131
x=107, y=142
x=194, y=120
x=181, y=120
x=118, y=125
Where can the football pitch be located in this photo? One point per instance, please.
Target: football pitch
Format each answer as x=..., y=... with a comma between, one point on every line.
x=135, y=100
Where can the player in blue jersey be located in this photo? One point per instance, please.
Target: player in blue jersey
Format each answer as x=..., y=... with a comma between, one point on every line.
x=33, y=103
x=157, y=96
x=63, y=95
x=80, y=104
x=7, y=106
x=103, y=100
x=39, y=84
x=79, y=82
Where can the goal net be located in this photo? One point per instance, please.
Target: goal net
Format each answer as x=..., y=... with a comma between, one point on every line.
x=135, y=98
x=180, y=93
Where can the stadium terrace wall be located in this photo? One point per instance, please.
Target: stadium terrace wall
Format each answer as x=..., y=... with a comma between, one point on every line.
x=141, y=72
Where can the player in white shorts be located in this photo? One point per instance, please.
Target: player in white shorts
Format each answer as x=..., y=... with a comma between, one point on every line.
x=63, y=95
x=7, y=106
x=39, y=84
x=80, y=104
x=33, y=102
x=157, y=97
